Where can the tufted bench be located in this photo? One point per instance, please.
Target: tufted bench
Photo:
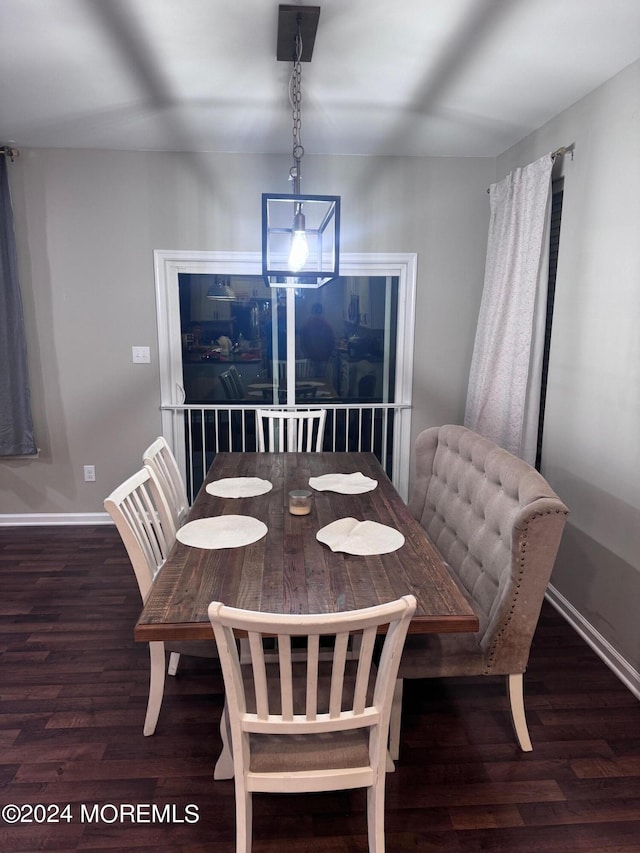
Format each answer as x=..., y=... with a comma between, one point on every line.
x=498, y=524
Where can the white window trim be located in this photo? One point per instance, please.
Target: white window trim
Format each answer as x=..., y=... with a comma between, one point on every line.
x=169, y=264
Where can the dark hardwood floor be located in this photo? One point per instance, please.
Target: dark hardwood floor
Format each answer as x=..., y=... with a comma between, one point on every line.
x=73, y=690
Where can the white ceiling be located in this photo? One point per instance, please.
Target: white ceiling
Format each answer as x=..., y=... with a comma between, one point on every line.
x=408, y=77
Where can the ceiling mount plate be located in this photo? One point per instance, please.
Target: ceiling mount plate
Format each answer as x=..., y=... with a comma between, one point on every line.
x=288, y=18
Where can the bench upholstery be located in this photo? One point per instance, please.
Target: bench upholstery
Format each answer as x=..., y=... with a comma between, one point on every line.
x=498, y=524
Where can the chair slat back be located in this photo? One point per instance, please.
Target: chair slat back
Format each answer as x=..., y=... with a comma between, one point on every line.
x=337, y=674
x=159, y=456
x=293, y=431
x=289, y=694
x=145, y=522
x=302, y=369
x=228, y=386
x=237, y=382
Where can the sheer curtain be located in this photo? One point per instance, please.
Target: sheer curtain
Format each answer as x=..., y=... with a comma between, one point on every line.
x=16, y=425
x=503, y=398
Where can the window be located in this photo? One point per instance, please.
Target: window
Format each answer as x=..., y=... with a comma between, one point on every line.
x=235, y=348
x=371, y=358
x=557, y=193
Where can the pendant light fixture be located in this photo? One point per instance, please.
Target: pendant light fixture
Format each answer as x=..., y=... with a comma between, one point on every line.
x=221, y=289
x=300, y=233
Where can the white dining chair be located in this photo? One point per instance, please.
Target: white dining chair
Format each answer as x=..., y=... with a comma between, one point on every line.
x=302, y=369
x=159, y=456
x=306, y=724
x=161, y=459
x=145, y=523
x=288, y=430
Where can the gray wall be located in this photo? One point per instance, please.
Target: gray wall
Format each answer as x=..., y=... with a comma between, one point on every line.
x=87, y=223
x=591, y=451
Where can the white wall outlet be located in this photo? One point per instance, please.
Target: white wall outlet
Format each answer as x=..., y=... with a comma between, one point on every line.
x=89, y=473
x=141, y=355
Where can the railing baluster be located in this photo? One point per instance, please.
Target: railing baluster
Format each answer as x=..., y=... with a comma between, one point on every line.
x=203, y=440
x=217, y=429
x=372, y=434
x=385, y=428
x=193, y=490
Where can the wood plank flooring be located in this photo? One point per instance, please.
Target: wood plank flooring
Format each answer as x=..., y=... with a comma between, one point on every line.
x=73, y=691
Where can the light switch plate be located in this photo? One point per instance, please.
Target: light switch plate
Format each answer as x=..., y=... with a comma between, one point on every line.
x=141, y=355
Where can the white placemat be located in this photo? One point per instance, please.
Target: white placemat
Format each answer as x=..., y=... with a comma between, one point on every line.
x=360, y=537
x=346, y=484
x=222, y=531
x=239, y=487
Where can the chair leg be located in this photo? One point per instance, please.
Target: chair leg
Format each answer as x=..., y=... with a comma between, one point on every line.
x=516, y=705
x=156, y=686
x=243, y=820
x=174, y=661
x=224, y=764
x=395, y=721
x=375, y=815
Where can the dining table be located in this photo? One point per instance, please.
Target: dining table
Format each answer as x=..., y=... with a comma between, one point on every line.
x=287, y=569
x=306, y=390
x=285, y=562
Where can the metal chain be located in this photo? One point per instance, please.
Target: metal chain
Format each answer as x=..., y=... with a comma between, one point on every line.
x=295, y=96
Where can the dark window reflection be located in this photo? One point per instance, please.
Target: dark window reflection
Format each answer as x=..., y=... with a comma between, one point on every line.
x=234, y=340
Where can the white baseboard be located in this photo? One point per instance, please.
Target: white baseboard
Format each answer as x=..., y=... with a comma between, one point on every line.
x=629, y=676
x=43, y=519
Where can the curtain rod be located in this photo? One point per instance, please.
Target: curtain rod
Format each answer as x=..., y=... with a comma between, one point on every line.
x=9, y=152
x=565, y=149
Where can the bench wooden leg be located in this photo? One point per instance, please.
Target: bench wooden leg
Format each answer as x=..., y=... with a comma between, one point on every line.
x=516, y=704
x=156, y=686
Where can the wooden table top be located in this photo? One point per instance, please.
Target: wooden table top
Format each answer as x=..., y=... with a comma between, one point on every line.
x=312, y=390
x=288, y=570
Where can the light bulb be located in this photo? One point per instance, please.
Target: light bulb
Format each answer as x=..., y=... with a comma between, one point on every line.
x=299, y=250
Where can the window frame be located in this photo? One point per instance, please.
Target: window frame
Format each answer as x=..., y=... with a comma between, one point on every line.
x=169, y=264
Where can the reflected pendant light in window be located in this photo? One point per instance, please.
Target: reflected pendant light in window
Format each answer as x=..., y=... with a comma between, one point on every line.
x=221, y=289
x=300, y=233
